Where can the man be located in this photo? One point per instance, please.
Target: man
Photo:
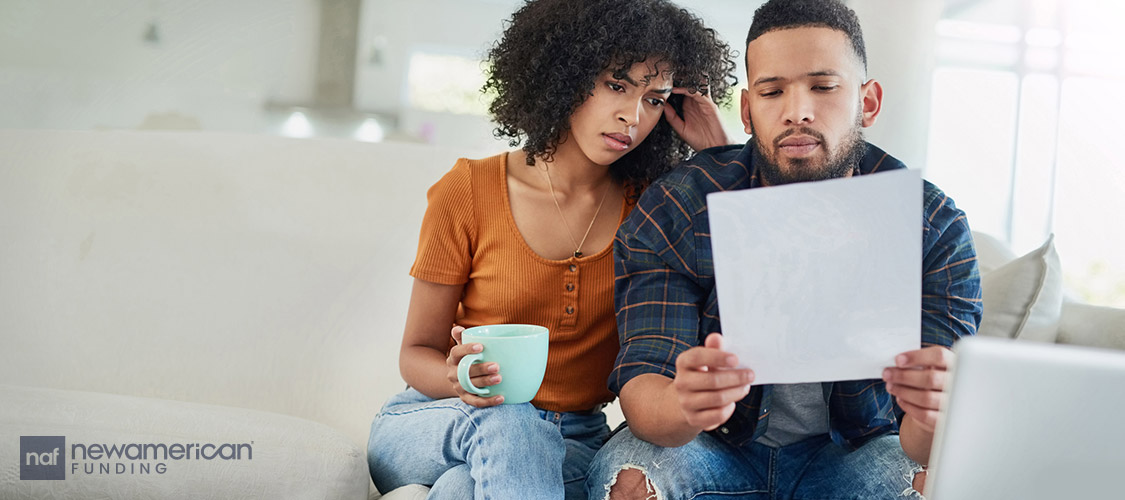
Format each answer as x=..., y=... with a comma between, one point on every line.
x=697, y=424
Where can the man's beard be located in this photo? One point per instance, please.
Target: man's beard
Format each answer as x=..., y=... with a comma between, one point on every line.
x=839, y=162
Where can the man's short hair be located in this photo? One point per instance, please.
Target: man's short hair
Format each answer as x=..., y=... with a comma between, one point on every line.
x=785, y=14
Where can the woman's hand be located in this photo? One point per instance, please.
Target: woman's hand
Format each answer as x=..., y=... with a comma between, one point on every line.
x=481, y=374
x=699, y=127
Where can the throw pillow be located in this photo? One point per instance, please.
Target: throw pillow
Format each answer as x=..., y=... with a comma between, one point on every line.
x=991, y=252
x=1023, y=298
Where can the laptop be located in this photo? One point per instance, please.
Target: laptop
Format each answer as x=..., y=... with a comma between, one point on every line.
x=1032, y=421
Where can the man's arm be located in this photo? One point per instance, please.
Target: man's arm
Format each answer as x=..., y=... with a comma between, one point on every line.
x=671, y=412
x=951, y=309
x=671, y=388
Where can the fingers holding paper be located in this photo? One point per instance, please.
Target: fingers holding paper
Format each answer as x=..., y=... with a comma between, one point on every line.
x=917, y=381
x=708, y=383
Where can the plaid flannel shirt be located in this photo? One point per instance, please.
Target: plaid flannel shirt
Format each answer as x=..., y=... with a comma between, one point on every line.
x=666, y=300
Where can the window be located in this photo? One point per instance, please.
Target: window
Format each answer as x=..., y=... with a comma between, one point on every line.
x=1025, y=130
x=446, y=83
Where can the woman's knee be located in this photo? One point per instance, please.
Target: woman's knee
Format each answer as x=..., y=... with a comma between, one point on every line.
x=513, y=418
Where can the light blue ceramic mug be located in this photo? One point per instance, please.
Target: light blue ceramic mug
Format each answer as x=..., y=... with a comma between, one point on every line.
x=521, y=352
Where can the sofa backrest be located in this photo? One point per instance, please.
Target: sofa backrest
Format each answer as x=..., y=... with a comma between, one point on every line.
x=241, y=270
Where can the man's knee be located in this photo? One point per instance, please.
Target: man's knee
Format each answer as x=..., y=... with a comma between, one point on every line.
x=632, y=484
x=919, y=481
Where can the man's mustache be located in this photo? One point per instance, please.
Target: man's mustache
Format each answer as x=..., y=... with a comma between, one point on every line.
x=798, y=130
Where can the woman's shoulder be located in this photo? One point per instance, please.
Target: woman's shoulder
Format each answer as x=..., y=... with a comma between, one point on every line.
x=467, y=172
x=488, y=165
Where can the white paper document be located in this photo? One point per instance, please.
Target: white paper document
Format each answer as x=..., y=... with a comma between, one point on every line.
x=820, y=281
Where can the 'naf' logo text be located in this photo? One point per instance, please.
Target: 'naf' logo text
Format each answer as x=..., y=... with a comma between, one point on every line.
x=42, y=457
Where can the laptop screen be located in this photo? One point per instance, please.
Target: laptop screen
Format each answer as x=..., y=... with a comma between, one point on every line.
x=1031, y=421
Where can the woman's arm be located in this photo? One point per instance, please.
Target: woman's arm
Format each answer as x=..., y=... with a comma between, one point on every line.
x=422, y=360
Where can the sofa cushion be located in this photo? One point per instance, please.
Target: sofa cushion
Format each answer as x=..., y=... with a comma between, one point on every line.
x=1023, y=298
x=256, y=454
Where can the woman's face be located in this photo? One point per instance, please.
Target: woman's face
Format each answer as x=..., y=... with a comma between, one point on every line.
x=620, y=113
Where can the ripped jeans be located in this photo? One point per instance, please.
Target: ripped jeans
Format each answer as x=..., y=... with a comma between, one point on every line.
x=815, y=468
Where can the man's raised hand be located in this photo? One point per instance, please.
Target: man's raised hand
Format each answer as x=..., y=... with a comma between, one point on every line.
x=708, y=383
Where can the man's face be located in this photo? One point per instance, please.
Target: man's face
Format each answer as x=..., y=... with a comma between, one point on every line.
x=806, y=104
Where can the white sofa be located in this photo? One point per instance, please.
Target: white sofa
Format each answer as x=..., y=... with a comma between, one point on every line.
x=160, y=287
x=196, y=277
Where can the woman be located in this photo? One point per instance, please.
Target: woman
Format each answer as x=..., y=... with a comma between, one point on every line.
x=526, y=237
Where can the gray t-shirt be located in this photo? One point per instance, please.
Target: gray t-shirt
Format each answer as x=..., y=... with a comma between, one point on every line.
x=798, y=411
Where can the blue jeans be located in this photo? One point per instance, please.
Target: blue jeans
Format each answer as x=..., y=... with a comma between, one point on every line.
x=501, y=452
x=815, y=468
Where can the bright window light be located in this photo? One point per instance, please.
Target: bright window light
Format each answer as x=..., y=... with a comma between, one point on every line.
x=297, y=125
x=1043, y=37
x=982, y=32
x=1030, y=147
x=1088, y=190
x=369, y=131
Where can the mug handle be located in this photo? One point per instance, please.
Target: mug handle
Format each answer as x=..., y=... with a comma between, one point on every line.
x=463, y=374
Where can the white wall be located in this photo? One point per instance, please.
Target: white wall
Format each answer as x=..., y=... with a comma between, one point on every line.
x=392, y=30
x=399, y=27
x=900, y=40
x=81, y=64
x=85, y=64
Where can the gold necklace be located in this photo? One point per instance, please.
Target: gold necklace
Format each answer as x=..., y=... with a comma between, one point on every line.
x=577, y=244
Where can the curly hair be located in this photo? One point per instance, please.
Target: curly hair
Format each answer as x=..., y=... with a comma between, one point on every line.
x=785, y=14
x=552, y=51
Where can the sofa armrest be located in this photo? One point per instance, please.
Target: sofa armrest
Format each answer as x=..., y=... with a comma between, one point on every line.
x=253, y=454
x=1090, y=325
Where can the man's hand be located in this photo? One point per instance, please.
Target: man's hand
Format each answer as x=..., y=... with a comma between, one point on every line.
x=917, y=381
x=481, y=374
x=699, y=127
x=708, y=383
